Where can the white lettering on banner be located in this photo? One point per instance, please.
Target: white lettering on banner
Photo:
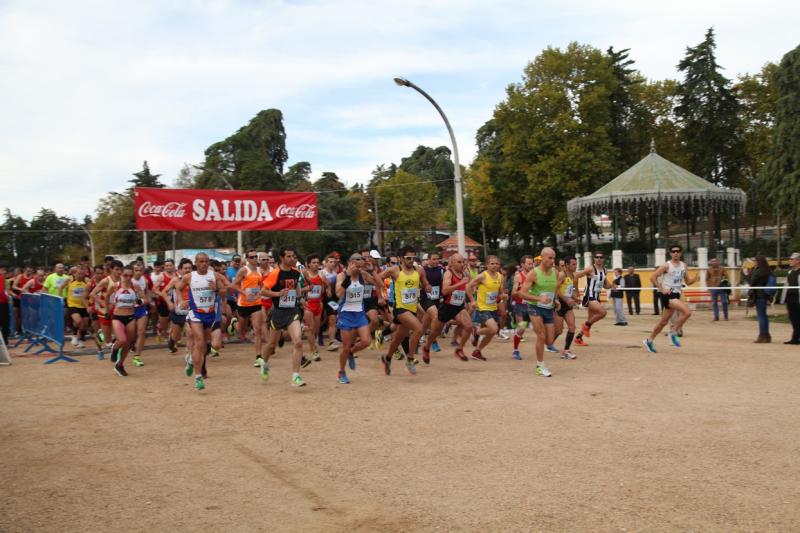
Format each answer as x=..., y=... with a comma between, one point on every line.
x=300, y=211
x=168, y=210
x=244, y=211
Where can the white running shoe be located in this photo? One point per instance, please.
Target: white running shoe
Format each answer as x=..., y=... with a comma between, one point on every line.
x=542, y=370
x=74, y=341
x=567, y=354
x=503, y=335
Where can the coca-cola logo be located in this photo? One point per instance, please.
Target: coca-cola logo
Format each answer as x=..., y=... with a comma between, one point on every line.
x=168, y=210
x=300, y=211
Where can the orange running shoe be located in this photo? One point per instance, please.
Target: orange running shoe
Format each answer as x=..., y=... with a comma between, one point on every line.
x=580, y=342
x=587, y=332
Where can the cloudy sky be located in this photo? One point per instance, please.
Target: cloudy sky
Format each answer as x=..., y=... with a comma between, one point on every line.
x=91, y=89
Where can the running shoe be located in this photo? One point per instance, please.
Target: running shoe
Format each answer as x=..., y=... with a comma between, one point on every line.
x=257, y=362
x=115, y=354
x=101, y=336
x=232, y=326
x=516, y=355
x=675, y=340
x=171, y=346
x=387, y=364
x=542, y=370
x=476, y=354
x=550, y=348
x=426, y=355
x=587, y=330
x=297, y=381
x=120, y=370
x=351, y=361
x=138, y=361
x=411, y=366
x=199, y=383
x=378, y=339
x=649, y=345
x=315, y=357
x=281, y=340
x=460, y=354
x=189, y=368
x=213, y=352
x=343, y=379
x=566, y=354
x=332, y=346
x=74, y=341
x=415, y=360
x=502, y=335
x=80, y=344
x=454, y=344
x=159, y=340
x=399, y=355
x=99, y=342
x=264, y=369
x=435, y=347
x=474, y=336
x=580, y=342
x=304, y=361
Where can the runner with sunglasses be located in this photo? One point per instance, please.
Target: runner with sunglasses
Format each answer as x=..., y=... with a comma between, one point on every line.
x=490, y=291
x=407, y=280
x=673, y=275
x=597, y=280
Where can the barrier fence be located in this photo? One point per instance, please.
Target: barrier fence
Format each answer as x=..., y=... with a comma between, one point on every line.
x=42, y=318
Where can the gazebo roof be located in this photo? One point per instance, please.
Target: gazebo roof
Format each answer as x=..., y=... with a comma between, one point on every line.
x=655, y=180
x=452, y=242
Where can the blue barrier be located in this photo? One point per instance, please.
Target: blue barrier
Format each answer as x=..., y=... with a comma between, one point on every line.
x=42, y=317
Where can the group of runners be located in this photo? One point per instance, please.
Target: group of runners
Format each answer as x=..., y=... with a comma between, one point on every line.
x=359, y=302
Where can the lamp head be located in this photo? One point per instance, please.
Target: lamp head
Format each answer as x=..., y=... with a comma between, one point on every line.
x=402, y=82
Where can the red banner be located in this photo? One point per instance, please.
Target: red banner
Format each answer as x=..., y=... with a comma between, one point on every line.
x=223, y=210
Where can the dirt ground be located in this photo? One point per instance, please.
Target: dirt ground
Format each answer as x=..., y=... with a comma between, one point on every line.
x=704, y=437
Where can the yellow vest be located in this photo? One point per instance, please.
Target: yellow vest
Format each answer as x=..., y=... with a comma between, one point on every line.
x=406, y=291
x=488, y=291
x=76, y=290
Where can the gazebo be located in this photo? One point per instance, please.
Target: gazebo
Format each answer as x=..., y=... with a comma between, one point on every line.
x=449, y=246
x=656, y=189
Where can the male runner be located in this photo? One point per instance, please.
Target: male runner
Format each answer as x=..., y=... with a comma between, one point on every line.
x=597, y=280
x=247, y=284
x=539, y=290
x=486, y=319
x=56, y=283
x=566, y=302
x=178, y=306
x=77, y=303
x=312, y=311
x=453, y=307
x=101, y=293
x=431, y=299
x=520, y=306
x=674, y=275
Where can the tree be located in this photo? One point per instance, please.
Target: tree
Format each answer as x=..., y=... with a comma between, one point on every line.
x=298, y=177
x=781, y=178
x=144, y=178
x=250, y=159
x=15, y=241
x=435, y=165
x=708, y=112
x=623, y=106
x=407, y=204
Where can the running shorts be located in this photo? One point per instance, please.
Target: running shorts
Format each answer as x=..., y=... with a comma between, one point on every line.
x=282, y=318
x=546, y=314
x=481, y=317
x=176, y=318
x=246, y=310
x=448, y=312
x=125, y=319
x=78, y=311
x=665, y=298
x=162, y=309
x=350, y=320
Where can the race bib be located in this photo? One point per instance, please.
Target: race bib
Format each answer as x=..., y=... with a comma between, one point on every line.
x=251, y=294
x=204, y=297
x=491, y=298
x=368, y=291
x=433, y=294
x=290, y=300
x=354, y=294
x=457, y=298
x=78, y=292
x=60, y=282
x=570, y=290
x=547, y=305
x=409, y=296
x=315, y=293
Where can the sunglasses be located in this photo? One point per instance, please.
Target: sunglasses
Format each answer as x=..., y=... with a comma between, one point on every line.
x=410, y=257
x=392, y=262
x=127, y=275
x=599, y=257
x=252, y=256
x=675, y=251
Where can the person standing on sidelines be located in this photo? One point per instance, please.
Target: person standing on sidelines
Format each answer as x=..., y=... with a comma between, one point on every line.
x=490, y=291
x=674, y=273
x=203, y=317
x=596, y=281
x=539, y=290
x=352, y=320
x=617, y=293
x=760, y=277
x=566, y=303
x=520, y=306
x=16, y=290
x=282, y=285
x=633, y=281
x=791, y=297
x=454, y=297
x=407, y=279
x=714, y=281
x=247, y=284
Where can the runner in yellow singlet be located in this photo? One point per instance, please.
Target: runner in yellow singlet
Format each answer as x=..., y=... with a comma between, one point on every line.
x=77, y=302
x=408, y=280
x=491, y=291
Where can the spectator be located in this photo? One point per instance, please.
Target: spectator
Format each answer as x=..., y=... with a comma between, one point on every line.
x=632, y=281
x=791, y=297
x=717, y=288
x=4, y=305
x=759, y=277
x=616, y=297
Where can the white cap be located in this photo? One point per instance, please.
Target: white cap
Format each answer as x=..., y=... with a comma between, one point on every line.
x=375, y=254
x=795, y=255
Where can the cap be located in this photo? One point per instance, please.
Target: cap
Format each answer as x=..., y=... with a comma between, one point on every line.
x=375, y=254
x=236, y=257
x=537, y=258
x=795, y=255
x=335, y=254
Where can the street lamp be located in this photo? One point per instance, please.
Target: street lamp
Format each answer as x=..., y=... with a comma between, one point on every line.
x=402, y=82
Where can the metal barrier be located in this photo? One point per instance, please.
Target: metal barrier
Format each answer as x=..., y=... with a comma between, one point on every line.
x=42, y=318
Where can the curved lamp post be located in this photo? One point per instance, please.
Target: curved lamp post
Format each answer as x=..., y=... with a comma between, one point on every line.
x=402, y=82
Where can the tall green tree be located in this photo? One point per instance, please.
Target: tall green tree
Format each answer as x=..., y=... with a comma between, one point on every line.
x=781, y=178
x=407, y=206
x=623, y=106
x=709, y=115
x=435, y=165
x=298, y=177
x=16, y=246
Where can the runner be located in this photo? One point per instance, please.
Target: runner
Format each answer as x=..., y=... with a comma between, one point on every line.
x=97, y=276
x=123, y=300
x=16, y=291
x=160, y=283
x=178, y=307
x=597, y=280
x=453, y=307
x=539, y=290
x=675, y=275
x=103, y=304
x=486, y=319
x=520, y=306
x=77, y=302
x=373, y=295
x=312, y=311
x=566, y=302
x=247, y=284
x=352, y=320
x=144, y=287
x=406, y=281
x=431, y=300
x=232, y=309
x=55, y=283
x=282, y=285
x=331, y=271
x=203, y=291
x=35, y=284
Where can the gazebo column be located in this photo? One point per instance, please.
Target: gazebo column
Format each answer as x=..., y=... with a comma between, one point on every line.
x=589, y=232
x=702, y=226
x=702, y=264
x=736, y=228
x=688, y=233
